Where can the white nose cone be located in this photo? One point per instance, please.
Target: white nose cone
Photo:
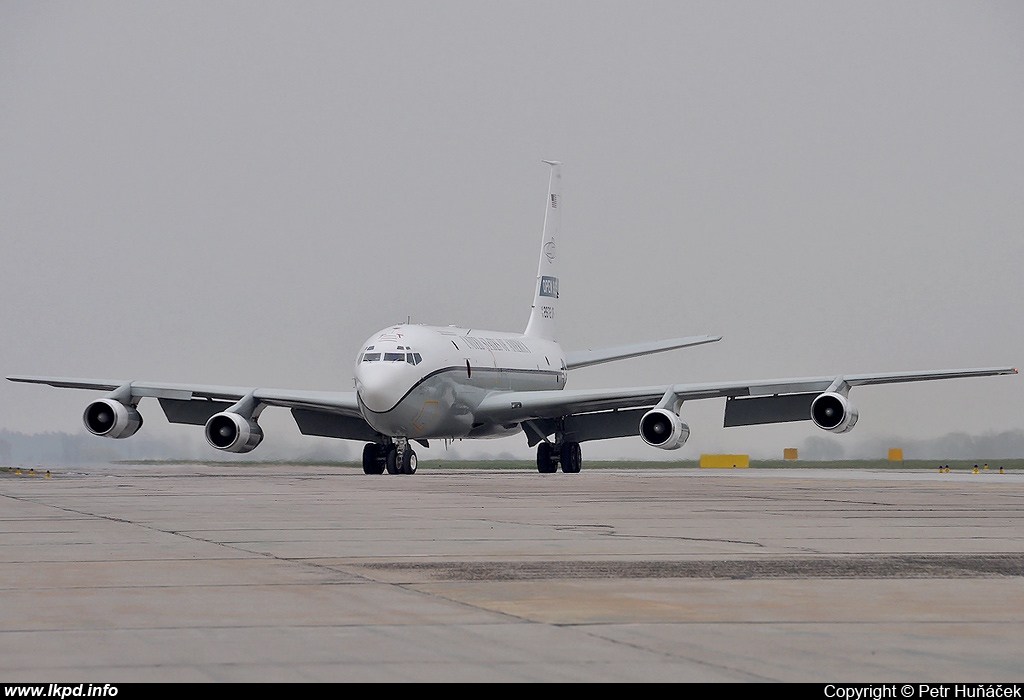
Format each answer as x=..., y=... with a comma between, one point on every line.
x=381, y=385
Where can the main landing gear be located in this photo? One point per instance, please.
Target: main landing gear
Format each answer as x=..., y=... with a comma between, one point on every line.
x=397, y=457
x=550, y=455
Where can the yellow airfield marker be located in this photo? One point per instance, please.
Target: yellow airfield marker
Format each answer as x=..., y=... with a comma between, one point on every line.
x=724, y=461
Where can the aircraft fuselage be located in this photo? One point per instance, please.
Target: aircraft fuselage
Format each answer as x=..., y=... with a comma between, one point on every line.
x=424, y=382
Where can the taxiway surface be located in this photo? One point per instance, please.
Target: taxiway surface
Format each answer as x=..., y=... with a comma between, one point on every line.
x=296, y=573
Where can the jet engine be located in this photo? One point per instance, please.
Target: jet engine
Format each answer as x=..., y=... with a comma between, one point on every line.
x=834, y=412
x=233, y=433
x=662, y=428
x=112, y=419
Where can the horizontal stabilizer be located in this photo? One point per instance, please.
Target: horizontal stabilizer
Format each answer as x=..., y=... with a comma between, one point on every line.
x=586, y=358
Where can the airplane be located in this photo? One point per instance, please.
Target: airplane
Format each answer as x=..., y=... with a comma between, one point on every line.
x=416, y=383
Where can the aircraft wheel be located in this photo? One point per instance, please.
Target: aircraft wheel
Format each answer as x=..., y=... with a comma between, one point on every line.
x=372, y=463
x=391, y=461
x=409, y=462
x=547, y=463
x=572, y=458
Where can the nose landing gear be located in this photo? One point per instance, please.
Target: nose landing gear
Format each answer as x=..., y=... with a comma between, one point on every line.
x=396, y=456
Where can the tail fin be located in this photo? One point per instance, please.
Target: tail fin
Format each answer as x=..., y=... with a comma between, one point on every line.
x=545, y=297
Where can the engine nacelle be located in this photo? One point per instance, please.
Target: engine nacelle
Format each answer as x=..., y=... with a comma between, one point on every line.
x=111, y=419
x=834, y=413
x=233, y=433
x=662, y=428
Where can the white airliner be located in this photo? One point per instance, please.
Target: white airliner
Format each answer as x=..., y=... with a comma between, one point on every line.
x=419, y=383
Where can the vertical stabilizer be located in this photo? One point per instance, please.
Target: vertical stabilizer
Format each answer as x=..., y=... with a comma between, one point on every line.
x=545, y=296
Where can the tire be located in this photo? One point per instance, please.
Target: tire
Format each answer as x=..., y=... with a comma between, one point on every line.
x=391, y=461
x=572, y=458
x=371, y=459
x=546, y=462
x=409, y=462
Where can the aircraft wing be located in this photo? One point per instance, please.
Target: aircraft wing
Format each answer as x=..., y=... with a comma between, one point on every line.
x=526, y=405
x=325, y=413
x=333, y=401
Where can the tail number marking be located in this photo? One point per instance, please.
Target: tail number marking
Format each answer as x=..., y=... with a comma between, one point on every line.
x=549, y=287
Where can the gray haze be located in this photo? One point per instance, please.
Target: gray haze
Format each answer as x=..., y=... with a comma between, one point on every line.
x=241, y=193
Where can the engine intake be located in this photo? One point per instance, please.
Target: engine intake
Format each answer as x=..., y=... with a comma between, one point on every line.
x=233, y=433
x=111, y=419
x=834, y=412
x=662, y=428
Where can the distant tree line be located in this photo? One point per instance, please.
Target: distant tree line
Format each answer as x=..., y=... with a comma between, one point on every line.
x=1005, y=445
x=56, y=449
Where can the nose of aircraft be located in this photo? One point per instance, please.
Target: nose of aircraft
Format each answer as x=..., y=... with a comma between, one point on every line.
x=381, y=385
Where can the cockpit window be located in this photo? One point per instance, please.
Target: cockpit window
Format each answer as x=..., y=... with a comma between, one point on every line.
x=413, y=358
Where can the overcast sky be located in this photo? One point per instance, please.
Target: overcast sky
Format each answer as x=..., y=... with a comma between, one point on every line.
x=242, y=192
